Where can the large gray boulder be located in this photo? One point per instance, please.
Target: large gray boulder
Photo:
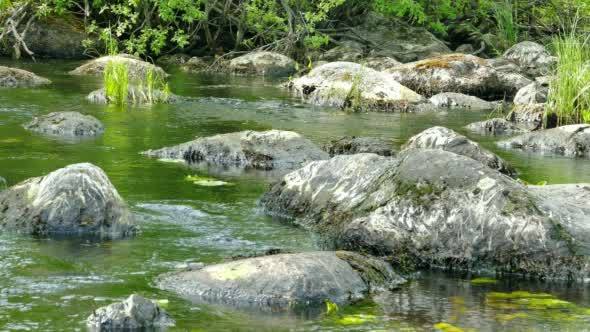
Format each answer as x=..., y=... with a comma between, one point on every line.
x=137, y=68
x=267, y=150
x=354, y=145
x=436, y=208
x=461, y=101
x=380, y=63
x=449, y=140
x=534, y=93
x=263, y=63
x=509, y=74
x=461, y=73
x=569, y=141
x=74, y=200
x=66, y=124
x=350, y=85
x=396, y=39
x=19, y=78
x=495, y=127
x=285, y=281
x=533, y=59
x=134, y=314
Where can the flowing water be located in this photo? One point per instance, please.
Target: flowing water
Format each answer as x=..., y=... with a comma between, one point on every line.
x=53, y=284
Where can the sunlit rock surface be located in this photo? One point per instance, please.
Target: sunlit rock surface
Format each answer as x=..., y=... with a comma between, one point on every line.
x=286, y=281
x=267, y=150
x=67, y=124
x=436, y=208
x=75, y=200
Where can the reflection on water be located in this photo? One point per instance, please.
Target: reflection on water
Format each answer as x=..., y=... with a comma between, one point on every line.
x=53, y=284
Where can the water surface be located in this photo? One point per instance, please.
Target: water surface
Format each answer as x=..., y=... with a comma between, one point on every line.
x=53, y=285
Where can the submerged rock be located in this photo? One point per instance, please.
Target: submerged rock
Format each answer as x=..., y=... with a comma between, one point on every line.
x=173, y=59
x=74, y=200
x=495, y=126
x=570, y=141
x=534, y=93
x=434, y=207
x=460, y=73
x=3, y=183
x=354, y=145
x=135, y=313
x=135, y=95
x=459, y=100
x=449, y=140
x=533, y=59
x=349, y=85
x=67, y=124
x=267, y=150
x=286, y=281
x=19, y=78
x=263, y=63
x=138, y=68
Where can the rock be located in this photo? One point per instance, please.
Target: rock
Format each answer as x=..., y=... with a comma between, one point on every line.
x=19, y=78
x=461, y=73
x=137, y=67
x=569, y=141
x=135, y=313
x=59, y=38
x=74, y=200
x=354, y=145
x=380, y=63
x=459, y=100
x=509, y=74
x=195, y=65
x=436, y=208
x=267, y=150
x=67, y=124
x=173, y=59
x=534, y=93
x=465, y=49
x=349, y=85
x=3, y=183
x=446, y=139
x=136, y=95
x=285, y=281
x=495, y=126
x=532, y=116
x=396, y=39
x=533, y=59
x=264, y=64
x=350, y=51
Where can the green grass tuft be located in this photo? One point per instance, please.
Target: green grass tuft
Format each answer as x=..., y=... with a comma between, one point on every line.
x=116, y=82
x=569, y=95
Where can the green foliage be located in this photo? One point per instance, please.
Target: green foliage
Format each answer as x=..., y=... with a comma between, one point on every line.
x=506, y=16
x=116, y=82
x=569, y=95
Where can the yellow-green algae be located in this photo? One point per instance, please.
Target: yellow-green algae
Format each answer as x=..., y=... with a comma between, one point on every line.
x=446, y=327
x=206, y=181
x=483, y=281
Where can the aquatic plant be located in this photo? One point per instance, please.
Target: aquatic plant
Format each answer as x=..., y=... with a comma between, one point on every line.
x=569, y=95
x=483, y=281
x=116, y=82
x=206, y=181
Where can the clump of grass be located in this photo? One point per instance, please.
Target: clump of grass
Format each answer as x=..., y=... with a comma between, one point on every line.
x=119, y=89
x=569, y=95
x=506, y=15
x=116, y=82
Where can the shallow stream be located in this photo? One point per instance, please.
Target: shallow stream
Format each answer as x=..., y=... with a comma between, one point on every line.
x=54, y=284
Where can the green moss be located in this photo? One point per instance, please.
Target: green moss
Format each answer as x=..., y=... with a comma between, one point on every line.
x=358, y=319
x=331, y=307
x=483, y=281
x=446, y=327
